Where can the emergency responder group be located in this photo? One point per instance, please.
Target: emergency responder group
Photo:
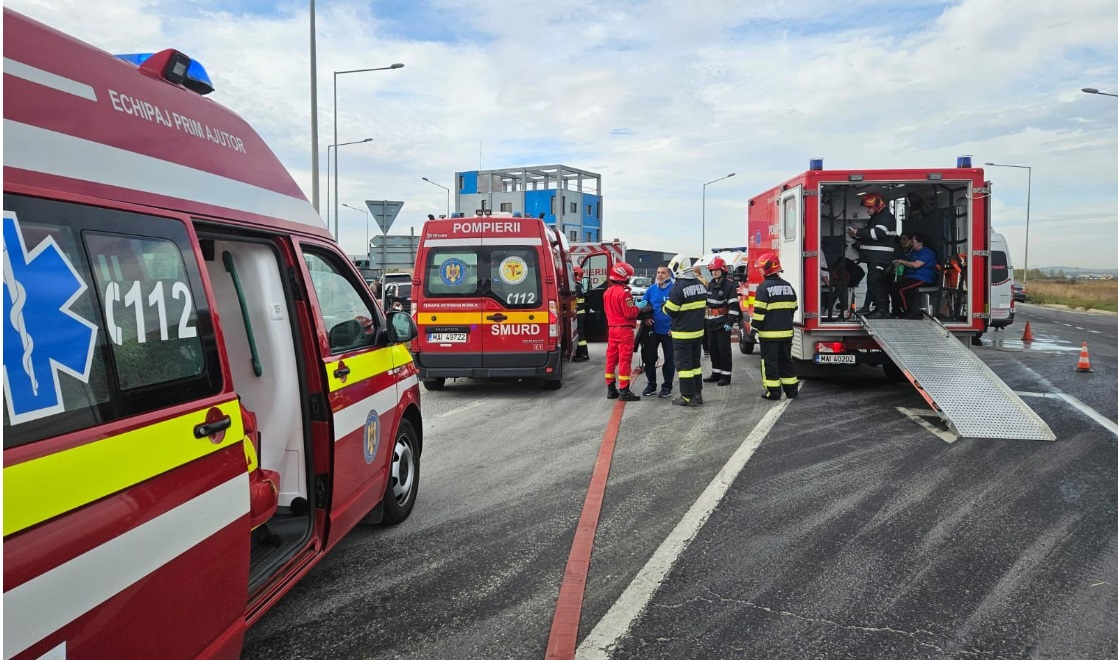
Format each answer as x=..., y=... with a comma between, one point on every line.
x=680, y=311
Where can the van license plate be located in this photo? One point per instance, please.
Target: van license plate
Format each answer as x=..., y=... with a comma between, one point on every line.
x=447, y=337
x=834, y=359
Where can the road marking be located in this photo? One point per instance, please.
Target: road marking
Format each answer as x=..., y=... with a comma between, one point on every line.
x=448, y=413
x=1077, y=327
x=1082, y=407
x=1095, y=332
x=920, y=417
x=632, y=602
x=568, y=608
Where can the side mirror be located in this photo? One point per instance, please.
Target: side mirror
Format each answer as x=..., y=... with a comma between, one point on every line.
x=401, y=327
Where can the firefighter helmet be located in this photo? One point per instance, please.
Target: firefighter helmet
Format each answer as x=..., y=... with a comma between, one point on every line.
x=578, y=272
x=621, y=272
x=679, y=264
x=769, y=263
x=873, y=202
x=717, y=263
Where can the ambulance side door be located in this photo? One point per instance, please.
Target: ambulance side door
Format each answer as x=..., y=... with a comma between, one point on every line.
x=361, y=384
x=791, y=244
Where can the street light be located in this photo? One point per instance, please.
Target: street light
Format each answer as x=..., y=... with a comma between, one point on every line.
x=314, y=117
x=1092, y=90
x=1028, y=199
x=328, y=148
x=397, y=65
x=447, y=194
x=705, y=208
x=366, y=212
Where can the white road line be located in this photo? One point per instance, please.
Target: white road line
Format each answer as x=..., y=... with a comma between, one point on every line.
x=1095, y=332
x=919, y=416
x=1082, y=407
x=617, y=621
x=1077, y=327
x=448, y=413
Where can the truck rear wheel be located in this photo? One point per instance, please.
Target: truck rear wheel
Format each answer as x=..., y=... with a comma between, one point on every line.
x=558, y=381
x=434, y=384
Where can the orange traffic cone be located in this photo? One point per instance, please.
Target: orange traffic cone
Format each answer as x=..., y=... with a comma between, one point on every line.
x=1028, y=334
x=1084, y=365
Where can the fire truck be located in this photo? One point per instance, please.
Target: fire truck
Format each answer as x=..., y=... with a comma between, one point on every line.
x=805, y=221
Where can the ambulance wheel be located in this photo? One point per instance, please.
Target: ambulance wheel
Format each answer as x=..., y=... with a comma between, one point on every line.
x=403, y=475
x=558, y=382
x=893, y=373
x=434, y=384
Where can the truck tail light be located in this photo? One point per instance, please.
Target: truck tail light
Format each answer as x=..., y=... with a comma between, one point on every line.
x=829, y=347
x=552, y=320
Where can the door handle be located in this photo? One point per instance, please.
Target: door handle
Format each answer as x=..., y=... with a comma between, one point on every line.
x=341, y=372
x=210, y=428
x=497, y=317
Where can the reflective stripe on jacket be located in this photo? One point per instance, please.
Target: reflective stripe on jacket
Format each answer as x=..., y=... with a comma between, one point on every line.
x=687, y=306
x=773, y=309
x=722, y=303
x=876, y=241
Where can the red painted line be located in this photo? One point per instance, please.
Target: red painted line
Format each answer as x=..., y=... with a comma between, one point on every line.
x=563, y=641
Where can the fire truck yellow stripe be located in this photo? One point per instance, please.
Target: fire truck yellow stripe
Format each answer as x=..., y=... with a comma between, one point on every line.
x=479, y=318
x=366, y=365
x=48, y=486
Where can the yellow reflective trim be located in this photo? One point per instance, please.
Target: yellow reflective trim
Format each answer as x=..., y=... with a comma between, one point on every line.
x=789, y=381
x=783, y=305
x=672, y=306
x=478, y=318
x=51, y=485
x=771, y=383
x=698, y=304
x=757, y=318
x=366, y=365
x=250, y=456
x=680, y=334
x=774, y=334
x=760, y=304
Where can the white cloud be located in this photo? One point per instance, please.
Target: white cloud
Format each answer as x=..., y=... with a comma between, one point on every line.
x=662, y=96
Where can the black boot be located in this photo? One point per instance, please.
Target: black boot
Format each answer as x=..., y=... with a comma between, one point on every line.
x=650, y=389
x=724, y=380
x=791, y=391
x=627, y=395
x=772, y=394
x=685, y=402
x=713, y=378
x=611, y=391
x=582, y=354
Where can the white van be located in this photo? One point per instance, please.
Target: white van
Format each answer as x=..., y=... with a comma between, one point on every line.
x=1002, y=308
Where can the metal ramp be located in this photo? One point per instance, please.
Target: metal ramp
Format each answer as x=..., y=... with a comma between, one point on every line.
x=970, y=398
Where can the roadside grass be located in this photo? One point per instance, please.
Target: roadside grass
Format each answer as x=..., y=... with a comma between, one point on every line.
x=1088, y=294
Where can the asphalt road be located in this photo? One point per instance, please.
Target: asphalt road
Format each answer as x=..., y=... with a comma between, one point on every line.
x=851, y=532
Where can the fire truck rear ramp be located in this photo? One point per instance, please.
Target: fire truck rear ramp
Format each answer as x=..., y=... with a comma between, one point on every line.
x=970, y=398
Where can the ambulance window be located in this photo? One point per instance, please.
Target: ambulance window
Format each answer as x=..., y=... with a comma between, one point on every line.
x=450, y=273
x=514, y=275
x=999, y=267
x=791, y=218
x=77, y=301
x=348, y=318
x=149, y=309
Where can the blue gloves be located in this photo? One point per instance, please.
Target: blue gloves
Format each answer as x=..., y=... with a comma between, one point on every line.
x=727, y=328
x=642, y=304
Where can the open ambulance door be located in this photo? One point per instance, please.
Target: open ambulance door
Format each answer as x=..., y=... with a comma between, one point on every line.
x=595, y=267
x=791, y=244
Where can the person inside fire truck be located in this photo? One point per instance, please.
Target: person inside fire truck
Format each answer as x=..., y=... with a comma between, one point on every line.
x=875, y=249
x=919, y=265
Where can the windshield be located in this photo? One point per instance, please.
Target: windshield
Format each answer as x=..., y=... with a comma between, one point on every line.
x=642, y=281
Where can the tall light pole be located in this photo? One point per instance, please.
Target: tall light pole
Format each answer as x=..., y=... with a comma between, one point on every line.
x=366, y=227
x=1092, y=90
x=328, y=148
x=397, y=65
x=1028, y=199
x=705, y=208
x=447, y=194
x=314, y=116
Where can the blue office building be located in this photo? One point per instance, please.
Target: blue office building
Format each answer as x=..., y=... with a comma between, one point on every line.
x=569, y=199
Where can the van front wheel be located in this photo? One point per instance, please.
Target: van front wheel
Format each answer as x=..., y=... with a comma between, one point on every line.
x=403, y=475
x=434, y=384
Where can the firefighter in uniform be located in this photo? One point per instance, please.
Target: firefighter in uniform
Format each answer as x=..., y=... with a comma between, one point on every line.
x=582, y=353
x=621, y=316
x=687, y=305
x=875, y=249
x=773, y=308
x=723, y=313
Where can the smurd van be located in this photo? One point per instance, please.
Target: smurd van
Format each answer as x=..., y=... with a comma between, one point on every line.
x=201, y=395
x=493, y=298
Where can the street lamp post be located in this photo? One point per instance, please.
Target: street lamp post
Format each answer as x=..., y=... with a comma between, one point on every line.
x=397, y=65
x=366, y=228
x=1028, y=200
x=447, y=194
x=328, y=148
x=705, y=207
x=314, y=116
x=1092, y=90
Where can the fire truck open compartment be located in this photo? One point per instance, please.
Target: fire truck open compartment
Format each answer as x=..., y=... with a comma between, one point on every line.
x=940, y=211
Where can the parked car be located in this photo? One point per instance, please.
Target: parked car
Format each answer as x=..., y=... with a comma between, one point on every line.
x=396, y=289
x=1019, y=293
x=638, y=285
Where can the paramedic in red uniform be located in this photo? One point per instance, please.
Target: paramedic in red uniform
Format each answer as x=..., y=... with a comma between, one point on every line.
x=621, y=316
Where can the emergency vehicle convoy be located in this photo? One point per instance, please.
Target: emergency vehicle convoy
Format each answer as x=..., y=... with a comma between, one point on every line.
x=494, y=297
x=201, y=396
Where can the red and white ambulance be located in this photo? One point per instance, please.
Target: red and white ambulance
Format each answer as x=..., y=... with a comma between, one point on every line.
x=201, y=396
x=805, y=219
x=493, y=298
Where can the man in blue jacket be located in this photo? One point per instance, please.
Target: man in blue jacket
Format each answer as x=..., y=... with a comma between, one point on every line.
x=660, y=334
x=919, y=270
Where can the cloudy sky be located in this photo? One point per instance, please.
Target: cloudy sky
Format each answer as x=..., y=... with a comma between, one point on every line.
x=661, y=96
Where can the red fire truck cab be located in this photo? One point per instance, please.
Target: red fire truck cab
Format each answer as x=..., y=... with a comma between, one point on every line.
x=805, y=219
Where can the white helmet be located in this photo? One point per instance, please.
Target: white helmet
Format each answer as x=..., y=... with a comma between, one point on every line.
x=679, y=265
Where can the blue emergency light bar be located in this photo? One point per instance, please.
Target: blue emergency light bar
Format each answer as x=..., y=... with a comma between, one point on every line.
x=196, y=78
